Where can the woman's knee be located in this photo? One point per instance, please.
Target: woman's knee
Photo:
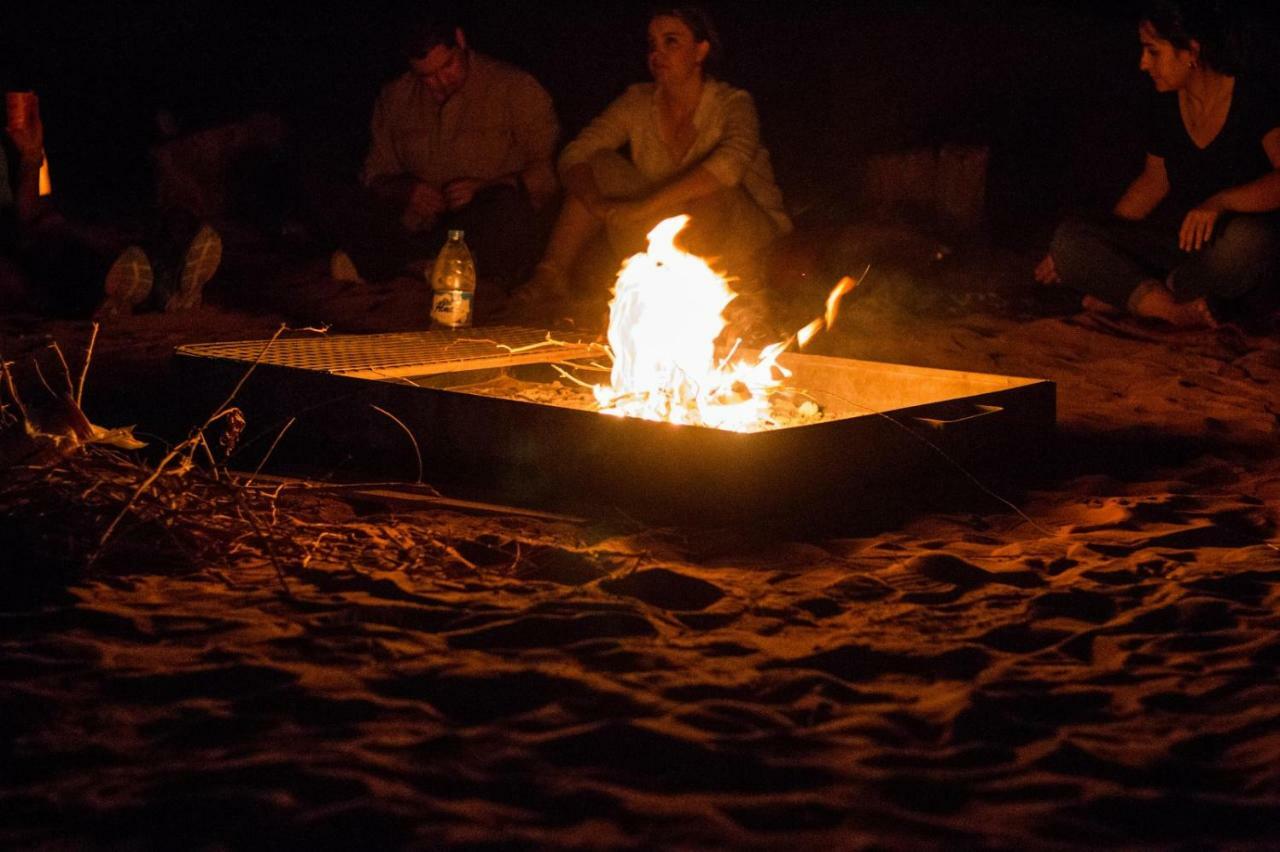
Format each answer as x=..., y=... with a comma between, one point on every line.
x=616, y=176
x=1248, y=242
x=728, y=224
x=1243, y=257
x=1075, y=237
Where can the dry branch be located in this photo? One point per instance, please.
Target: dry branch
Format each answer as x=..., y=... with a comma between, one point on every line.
x=86, y=505
x=84, y=370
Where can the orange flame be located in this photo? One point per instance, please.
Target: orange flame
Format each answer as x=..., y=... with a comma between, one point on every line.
x=843, y=287
x=664, y=320
x=46, y=184
x=804, y=335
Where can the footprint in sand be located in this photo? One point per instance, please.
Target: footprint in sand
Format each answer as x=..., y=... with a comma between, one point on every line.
x=665, y=589
x=945, y=568
x=860, y=587
x=1077, y=604
x=561, y=566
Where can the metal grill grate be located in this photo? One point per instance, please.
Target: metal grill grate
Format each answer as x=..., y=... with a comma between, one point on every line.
x=415, y=353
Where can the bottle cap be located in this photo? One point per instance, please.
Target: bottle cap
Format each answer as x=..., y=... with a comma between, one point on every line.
x=455, y=235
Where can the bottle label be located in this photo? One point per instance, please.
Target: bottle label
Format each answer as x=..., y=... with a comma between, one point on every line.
x=451, y=308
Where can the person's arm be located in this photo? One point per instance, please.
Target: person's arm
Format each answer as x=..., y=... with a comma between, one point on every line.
x=382, y=172
x=536, y=131
x=419, y=204
x=608, y=131
x=532, y=120
x=386, y=177
x=1146, y=192
x=1257, y=196
x=699, y=182
x=580, y=182
x=722, y=168
x=1143, y=195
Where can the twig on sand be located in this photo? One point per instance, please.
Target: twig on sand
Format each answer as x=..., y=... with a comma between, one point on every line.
x=142, y=488
x=416, y=449
x=66, y=370
x=40, y=375
x=257, y=470
x=183, y=449
x=195, y=515
x=248, y=515
x=221, y=409
x=84, y=369
x=13, y=388
x=203, y=444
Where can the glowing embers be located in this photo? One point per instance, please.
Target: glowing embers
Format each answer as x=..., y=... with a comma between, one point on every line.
x=665, y=319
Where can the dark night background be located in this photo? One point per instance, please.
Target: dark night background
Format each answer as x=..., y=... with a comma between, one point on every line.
x=1092, y=661
x=1050, y=86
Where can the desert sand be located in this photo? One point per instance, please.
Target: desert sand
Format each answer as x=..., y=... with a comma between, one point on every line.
x=1099, y=668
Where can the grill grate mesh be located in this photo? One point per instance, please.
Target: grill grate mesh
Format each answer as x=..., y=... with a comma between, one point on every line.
x=400, y=354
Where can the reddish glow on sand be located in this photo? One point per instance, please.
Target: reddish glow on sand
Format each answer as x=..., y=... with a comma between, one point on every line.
x=665, y=319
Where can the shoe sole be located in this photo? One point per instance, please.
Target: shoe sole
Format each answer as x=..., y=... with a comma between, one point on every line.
x=128, y=283
x=198, y=266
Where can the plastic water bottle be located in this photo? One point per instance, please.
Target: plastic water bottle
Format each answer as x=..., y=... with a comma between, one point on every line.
x=453, y=284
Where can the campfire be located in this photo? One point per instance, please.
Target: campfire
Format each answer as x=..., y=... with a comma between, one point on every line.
x=666, y=322
x=673, y=419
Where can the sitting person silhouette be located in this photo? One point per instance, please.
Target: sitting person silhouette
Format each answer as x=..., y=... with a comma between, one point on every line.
x=693, y=147
x=459, y=141
x=53, y=264
x=1198, y=229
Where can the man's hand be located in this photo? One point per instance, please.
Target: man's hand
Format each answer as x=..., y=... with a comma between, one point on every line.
x=1197, y=227
x=1047, y=272
x=426, y=203
x=28, y=137
x=459, y=192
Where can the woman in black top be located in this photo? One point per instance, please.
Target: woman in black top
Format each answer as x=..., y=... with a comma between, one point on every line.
x=1198, y=226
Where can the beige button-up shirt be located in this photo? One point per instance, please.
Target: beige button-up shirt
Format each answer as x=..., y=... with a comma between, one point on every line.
x=501, y=121
x=726, y=142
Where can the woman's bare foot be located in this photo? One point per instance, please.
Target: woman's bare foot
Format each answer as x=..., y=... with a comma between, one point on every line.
x=1153, y=299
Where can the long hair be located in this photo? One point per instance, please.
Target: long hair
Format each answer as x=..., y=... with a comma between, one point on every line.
x=1207, y=22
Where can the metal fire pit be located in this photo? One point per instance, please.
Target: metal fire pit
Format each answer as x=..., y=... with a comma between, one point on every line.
x=895, y=437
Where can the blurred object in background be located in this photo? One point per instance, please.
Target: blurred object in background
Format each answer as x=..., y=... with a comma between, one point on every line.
x=943, y=188
x=235, y=175
x=22, y=110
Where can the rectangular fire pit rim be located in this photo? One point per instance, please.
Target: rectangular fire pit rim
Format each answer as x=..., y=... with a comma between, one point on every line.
x=404, y=353
x=249, y=351
x=788, y=358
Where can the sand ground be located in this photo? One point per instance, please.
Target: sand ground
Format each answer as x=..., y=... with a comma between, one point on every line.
x=1105, y=673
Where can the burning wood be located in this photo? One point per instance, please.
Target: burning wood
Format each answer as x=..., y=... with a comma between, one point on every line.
x=785, y=407
x=665, y=320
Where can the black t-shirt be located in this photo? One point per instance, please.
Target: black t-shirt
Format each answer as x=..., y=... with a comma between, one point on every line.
x=1234, y=157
